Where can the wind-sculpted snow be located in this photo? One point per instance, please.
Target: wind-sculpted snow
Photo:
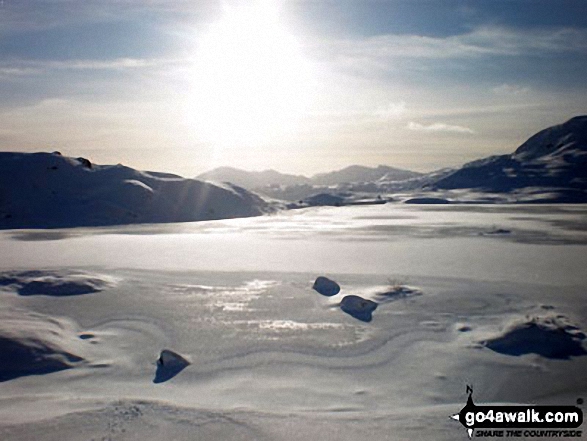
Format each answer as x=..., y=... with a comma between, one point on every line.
x=54, y=283
x=272, y=359
x=47, y=190
x=550, y=337
x=33, y=344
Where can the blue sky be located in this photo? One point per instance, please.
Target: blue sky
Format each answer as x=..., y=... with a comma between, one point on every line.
x=301, y=86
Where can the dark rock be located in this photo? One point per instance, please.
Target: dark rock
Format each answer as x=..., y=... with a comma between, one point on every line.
x=358, y=307
x=85, y=162
x=169, y=364
x=326, y=287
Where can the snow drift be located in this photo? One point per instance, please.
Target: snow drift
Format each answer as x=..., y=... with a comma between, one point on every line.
x=550, y=337
x=34, y=344
x=54, y=283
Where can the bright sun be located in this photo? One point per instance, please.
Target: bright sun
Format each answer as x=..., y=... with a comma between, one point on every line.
x=250, y=80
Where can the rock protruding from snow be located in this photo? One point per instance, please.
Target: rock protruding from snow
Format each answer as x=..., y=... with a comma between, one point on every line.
x=169, y=364
x=549, y=337
x=326, y=287
x=34, y=344
x=54, y=283
x=48, y=190
x=358, y=307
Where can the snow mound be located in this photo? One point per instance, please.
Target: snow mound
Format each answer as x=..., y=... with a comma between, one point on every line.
x=169, y=364
x=550, y=337
x=54, y=283
x=358, y=307
x=326, y=287
x=33, y=344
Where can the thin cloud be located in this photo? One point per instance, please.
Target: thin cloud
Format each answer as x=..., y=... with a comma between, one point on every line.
x=23, y=68
x=510, y=89
x=14, y=71
x=438, y=127
x=483, y=41
x=32, y=15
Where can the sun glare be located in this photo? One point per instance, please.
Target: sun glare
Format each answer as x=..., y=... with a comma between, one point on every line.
x=250, y=81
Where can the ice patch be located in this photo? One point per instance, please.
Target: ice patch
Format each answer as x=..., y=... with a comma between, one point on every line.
x=287, y=325
x=226, y=298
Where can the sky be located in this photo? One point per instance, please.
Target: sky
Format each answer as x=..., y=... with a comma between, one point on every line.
x=300, y=86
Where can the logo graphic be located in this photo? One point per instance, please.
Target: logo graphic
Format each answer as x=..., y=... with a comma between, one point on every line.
x=518, y=417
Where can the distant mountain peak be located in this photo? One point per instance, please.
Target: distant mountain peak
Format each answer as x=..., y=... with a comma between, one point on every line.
x=251, y=179
x=554, y=158
x=571, y=134
x=362, y=173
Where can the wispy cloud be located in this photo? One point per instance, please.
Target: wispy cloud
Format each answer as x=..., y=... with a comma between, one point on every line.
x=34, y=15
x=438, y=127
x=23, y=68
x=510, y=89
x=483, y=41
x=15, y=71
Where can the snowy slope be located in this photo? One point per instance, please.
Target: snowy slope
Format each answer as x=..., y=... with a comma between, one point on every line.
x=42, y=190
x=476, y=295
x=554, y=159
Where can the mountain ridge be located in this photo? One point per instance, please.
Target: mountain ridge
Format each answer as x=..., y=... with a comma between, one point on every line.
x=555, y=158
x=48, y=190
x=349, y=174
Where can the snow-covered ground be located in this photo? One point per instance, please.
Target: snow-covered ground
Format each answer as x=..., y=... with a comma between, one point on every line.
x=86, y=312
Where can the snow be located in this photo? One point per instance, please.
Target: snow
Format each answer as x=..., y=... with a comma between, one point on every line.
x=47, y=190
x=546, y=336
x=54, y=283
x=551, y=161
x=270, y=358
x=33, y=344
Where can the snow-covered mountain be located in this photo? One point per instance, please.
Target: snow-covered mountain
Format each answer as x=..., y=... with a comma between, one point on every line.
x=554, y=159
x=359, y=173
x=48, y=190
x=355, y=178
x=348, y=175
x=252, y=179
